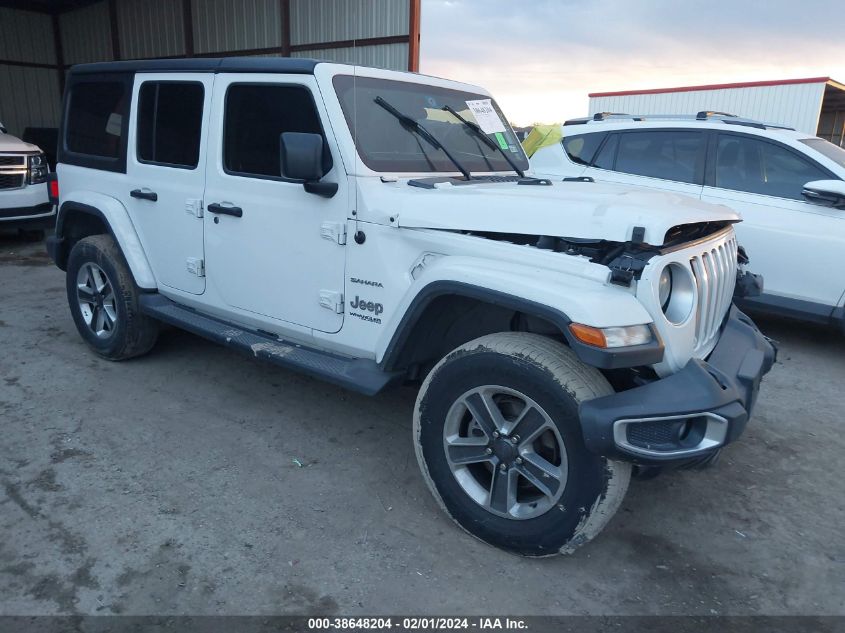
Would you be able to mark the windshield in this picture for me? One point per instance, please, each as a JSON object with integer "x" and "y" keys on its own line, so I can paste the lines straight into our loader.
{"x": 384, "y": 144}
{"x": 826, "y": 148}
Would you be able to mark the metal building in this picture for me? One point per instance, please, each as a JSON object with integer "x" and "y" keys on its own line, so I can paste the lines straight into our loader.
{"x": 40, "y": 39}
{"x": 815, "y": 105}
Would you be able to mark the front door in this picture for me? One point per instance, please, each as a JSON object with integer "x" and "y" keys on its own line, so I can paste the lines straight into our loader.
{"x": 272, "y": 249}
{"x": 796, "y": 245}
{"x": 165, "y": 174}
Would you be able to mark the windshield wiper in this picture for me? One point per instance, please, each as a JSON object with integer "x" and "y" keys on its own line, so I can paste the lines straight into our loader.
{"x": 413, "y": 126}
{"x": 473, "y": 127}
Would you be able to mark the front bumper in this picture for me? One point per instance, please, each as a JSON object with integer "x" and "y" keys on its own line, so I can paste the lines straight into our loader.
{"x": 39, "y": 216}
{"x": 688, "y": 416}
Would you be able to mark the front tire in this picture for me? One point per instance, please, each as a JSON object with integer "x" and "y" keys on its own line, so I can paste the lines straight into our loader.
{"x": 499, "y": 442}
{"x": 103, "y": 300}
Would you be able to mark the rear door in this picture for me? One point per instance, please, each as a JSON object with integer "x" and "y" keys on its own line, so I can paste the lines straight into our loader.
{"x": 165, "y": 171}
{"x": 669, "y": 160}
{"x": 796, "y": 245}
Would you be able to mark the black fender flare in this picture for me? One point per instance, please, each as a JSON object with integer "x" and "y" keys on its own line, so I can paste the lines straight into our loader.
{"x": 617, "y": 358}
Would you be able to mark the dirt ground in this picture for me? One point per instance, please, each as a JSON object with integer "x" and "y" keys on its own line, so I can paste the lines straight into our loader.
{"x": 172, "y": 484}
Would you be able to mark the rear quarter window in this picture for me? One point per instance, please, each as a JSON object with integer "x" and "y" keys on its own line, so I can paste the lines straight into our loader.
{"x": 95, "y": 122}
{"x": 581, "y": 148}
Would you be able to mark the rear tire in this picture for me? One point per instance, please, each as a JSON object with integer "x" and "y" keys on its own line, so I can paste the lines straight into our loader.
{"x": 103, "y": 300}
{"x": 498, "y": 439}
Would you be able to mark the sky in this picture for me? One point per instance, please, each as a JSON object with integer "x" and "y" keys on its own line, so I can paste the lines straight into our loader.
{"x": 540, "y": 58}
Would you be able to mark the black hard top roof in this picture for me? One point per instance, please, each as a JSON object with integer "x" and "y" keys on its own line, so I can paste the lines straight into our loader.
{"x": 288, "y": 65}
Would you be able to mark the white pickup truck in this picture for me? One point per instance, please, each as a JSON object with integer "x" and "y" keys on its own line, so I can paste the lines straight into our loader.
{"x": 372, "y": 227}
{"x": 24, "y": 200}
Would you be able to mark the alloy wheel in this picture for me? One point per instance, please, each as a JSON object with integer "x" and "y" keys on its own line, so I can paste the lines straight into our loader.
{"x": 97, "y": 302}
{"x": 505, "y": 452}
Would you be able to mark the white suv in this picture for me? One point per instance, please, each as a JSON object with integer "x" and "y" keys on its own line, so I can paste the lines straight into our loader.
{"x": 371, "y": 227}
{"x": 24, "y": 201}
{"x": 789, "y": 188}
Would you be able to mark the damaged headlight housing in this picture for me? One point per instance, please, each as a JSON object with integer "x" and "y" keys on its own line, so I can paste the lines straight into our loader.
{"x": 676, "y": 293}
{"x": 611, "y": 337}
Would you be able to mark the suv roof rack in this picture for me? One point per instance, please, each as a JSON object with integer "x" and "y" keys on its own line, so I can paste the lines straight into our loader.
{"x": 703, "y": 115}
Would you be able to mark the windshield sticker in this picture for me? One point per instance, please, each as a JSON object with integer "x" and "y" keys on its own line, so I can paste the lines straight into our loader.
{"x": 486, "y": 117}
{"x": 500, "y": 138}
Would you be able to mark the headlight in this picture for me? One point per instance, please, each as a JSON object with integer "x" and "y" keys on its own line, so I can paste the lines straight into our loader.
{"x": 676, "y": 293}
{"x": 37, "y": 169}
{"x": 623, "y": 336}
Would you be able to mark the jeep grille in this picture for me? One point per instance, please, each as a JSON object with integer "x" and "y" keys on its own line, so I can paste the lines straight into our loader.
{"x": 715, "y": 277}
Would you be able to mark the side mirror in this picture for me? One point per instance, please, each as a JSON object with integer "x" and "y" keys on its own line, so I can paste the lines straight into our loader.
{"x": 3, "y": 128}
{"x": 301, "y": 159}
{"x": 826, "y": 192}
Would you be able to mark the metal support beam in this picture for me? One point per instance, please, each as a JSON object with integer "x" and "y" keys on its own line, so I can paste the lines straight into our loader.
{"x": 285, "y": 6}
{"x": 414, "y": 37}
{"x": 60, "y": 54}
{"x": 14, "y": 62}
{"x": 370, "y": 41}
{"x": 188, "y": 27}
{"x": 115, "y": 36}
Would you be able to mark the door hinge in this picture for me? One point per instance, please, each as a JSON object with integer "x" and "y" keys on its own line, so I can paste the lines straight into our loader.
{"x": 196, "y": 266}
{"x": 334, "y": 231}
{"x": 332, "y": 300}
{"x": 194, "y": 207}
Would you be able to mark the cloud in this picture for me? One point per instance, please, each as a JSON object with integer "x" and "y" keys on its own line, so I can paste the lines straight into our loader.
{"x": 541, "y": 58}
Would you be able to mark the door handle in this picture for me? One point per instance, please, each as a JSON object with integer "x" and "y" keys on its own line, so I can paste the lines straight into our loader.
{"x": 219, "y": 209}
{"x": 152, "y": 196}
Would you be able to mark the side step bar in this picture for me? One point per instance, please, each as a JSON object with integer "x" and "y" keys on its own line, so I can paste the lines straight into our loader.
{"x": 361, "y": 375}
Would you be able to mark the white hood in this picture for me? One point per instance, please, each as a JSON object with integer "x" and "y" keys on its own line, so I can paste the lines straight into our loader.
{"x": 584, "y": 210}
{"x": 9, "y": 143}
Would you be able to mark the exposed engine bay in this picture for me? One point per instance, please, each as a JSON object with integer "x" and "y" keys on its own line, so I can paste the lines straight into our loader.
{"x": 626, "y": 260}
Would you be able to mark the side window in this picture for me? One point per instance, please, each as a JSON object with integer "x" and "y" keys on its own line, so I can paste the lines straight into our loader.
{"x": 582, "y": 147}
{"x": 170, "y": 123}
{"x": 607, "y": 155}
{"x": 256, "y": 115}
{"x": 671, "y": 155}
{"x": 746, "y": 164}
{"x": 95, "y": 114}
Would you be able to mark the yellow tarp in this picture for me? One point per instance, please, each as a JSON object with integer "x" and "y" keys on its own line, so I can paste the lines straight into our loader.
{"x": 541, "y": 136}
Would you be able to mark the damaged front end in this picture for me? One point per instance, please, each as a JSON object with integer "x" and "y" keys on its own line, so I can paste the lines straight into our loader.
{"x": 627, "y": 260}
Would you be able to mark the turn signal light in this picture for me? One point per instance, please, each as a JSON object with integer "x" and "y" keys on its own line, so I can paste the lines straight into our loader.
{"x": 606, "y": 337}
{"x": 589, "y": 335}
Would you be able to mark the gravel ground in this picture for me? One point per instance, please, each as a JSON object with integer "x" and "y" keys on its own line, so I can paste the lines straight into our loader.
{"x": 170, "y": 485}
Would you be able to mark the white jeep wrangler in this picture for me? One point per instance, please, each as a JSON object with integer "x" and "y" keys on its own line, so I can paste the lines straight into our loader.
{"x": 24, "y": 203}
{"x": 371, "y": 227}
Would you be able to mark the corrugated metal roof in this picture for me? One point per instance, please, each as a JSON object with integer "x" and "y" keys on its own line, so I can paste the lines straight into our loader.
{"x": 86, "y": 34}
{"x": 748, "y": 84}
{"x": 30, "y": 98}
{"x": 389, "y": 56}
{"x": 315, "y": 21}
{"x": 26, "y": 36}
{"x": 230, "y": 25}
{"x": 150, "y": 28}
{"x": 796, "y": 105}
